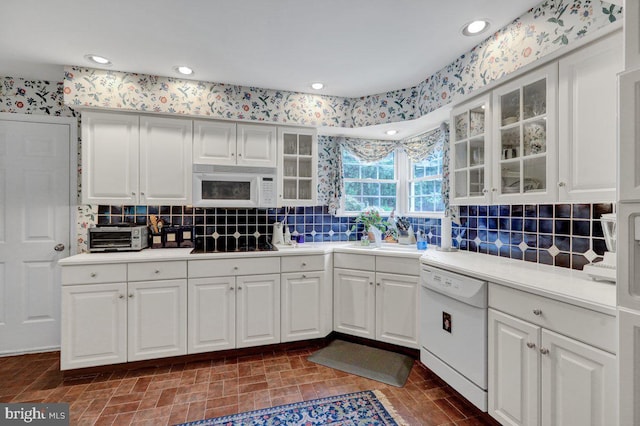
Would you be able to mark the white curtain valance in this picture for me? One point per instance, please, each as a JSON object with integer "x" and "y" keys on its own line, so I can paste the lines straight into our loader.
{"x": 417, "y": 148}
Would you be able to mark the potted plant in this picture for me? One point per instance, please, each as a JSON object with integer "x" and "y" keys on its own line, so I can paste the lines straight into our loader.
{"x": 371, "y": 218}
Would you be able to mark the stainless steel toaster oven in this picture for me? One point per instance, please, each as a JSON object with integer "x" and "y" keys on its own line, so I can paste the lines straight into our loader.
{"x": 117, "y": 238}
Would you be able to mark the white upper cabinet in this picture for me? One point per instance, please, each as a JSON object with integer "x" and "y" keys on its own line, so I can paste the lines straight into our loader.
{"x": 471, "y": 152}
{"x": 629, "y": 136}
{"x": 256, "y": 145}
{"x": 524, "y": 138}
{"x": 587, "y": 105}
{"x": 229, "y": 143}
{"x": 110, "y": 145}
{"x": 631, "y": 35}
{"x": 214, "y": 142}
{"x": 298, "y": 171}
{"x": 165, "y": 160}
{"x": 133, "y": 159}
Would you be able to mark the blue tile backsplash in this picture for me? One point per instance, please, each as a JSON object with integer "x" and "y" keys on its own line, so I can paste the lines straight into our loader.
{"x": 565, "y": 235}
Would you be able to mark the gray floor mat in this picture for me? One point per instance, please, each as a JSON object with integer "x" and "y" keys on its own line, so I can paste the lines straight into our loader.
{"x": 376, "y": 364}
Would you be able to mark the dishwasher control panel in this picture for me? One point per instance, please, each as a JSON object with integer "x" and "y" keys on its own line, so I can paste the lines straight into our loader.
{"x": 460, "y": 287}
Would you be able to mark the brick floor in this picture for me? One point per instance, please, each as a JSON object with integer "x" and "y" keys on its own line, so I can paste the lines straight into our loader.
{"x": 193, "y": 391}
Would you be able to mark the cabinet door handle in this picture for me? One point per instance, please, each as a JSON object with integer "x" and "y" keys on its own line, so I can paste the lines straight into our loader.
{"x": 233, "y": 154}
{"x": 235, "y": 268}
{"x": 544, "y": 351}
{"x": 133, "y": 193}
{"x": 485, "y": 190}
{"x": 304, "y": 264}
{"x": 531, "y": 345}
{"x": 240, "y": 155}
{"x": 370, "y": 282}
{"x": 142, "y": 193}
{"x": 493, "y": 189}
{"x": 93, "y": 275}
{"x": 304, "y": 276}
{"x": 157, "y": 271}
{"x": 537, "y": 312}
{"x": 378, "y": 284}
{"x": 231, "y": 288}
{"x": 130, "y": 295}
{"x": 121, "y": 296}
{"x": 561, "y": 184}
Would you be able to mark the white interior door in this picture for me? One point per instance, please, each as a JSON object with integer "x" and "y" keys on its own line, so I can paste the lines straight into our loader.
{"x": 34, "y": 230}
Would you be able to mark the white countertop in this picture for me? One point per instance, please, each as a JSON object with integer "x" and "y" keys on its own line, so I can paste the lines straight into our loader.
{"x": 150, "y": 255}
{"x": 563, "y": 284}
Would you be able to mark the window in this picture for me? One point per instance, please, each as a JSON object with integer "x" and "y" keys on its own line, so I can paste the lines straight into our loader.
{"x": 369, "y": 184}
{"x": 393, "y": 183}
{"x": 425, "y": 186}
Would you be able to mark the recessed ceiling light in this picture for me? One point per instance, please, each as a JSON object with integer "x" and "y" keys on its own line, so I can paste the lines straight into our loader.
{"x": 317, "y": 86}
{"x": 184, "y": 70}
{"x": 475, "y": 27}
{"x": 391, "y": 132}
{"x": 98, "y": 59}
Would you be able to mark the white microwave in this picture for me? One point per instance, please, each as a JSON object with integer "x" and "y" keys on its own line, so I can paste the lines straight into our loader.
{"x": 234, "y": 186}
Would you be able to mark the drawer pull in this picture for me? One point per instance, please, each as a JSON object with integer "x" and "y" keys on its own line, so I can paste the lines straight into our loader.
{"x": 130, "y": 295}
{"x": 544, "y": 351}
{"x": 121, "y": 296}
{"x": 239, "y": 288}
{"x": 378, "y": 284}
{"x": 537, "y": 312}
{"x": 231, "y": 288}
{"x": 157, "y": 271}
{"x": 370, "y": 282}
{"x": 93, "y": 275}
{"x": 304, "y": 276}
{"x": 304, "y": 264}
{"x": 531, "y": 345}
{"x": 235, "y": 268}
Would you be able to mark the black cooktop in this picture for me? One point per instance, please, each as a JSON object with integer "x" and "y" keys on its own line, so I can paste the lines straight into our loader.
{"x": 220, "y": 248}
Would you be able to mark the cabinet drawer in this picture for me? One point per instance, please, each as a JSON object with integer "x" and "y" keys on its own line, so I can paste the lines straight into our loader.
{"x": 94, "y": 274}
{"x": 302, "y": 263}
{"x": 227, "y": 267}
{"x": 157, "y": 270}
{"x": 362, "y": 262}
{"x": 582, "y": 324}
{"x": 398, "y": 265}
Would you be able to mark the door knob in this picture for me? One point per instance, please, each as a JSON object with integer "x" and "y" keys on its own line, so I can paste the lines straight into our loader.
{"x": 59, "y": 247}
{"x": 544, "y": 351}
{"x": 531, "y": 345}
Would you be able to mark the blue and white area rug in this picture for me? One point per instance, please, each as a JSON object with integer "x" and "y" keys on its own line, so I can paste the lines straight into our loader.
{"x": 360, "y": 408}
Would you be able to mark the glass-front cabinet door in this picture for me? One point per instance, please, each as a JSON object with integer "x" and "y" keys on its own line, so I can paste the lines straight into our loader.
{"x": 470, "y": 137}
{"x": 524, "y": 128}
{"x": 297, "y": 170}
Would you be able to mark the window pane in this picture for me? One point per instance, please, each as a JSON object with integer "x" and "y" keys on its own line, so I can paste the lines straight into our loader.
{"x": 351, "y": 171}
{"x": 369, "y": 172}
{"x": 386, "y": 172}
{"x": 369, "y": 184}
{"x": 370, "y": 189}
{"x": 352, "y": 188}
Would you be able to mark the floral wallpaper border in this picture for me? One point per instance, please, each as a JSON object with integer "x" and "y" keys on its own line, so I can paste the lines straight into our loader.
{"x": 540, "y": 31}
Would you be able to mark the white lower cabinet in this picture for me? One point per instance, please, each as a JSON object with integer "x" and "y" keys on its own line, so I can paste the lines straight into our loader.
{"x": 94, "y": 325}
{"x": 212, "y": 314}
{"x": 233, "y": 312}
{"x": 228, "y": 308}
{"x": 541, "y": 377}
{"x": 257, "y": 310}
{"x": 377, "y": 305}
{"x": 157, "y": 319}
{"x": 354, "y": 302}
{"x": 106, "y": 320}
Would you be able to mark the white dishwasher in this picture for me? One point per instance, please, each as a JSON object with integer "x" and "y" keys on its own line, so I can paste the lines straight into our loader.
{"x": 453, "y": 331}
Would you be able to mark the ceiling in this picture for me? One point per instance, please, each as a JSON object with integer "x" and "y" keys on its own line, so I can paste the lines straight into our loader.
{"x": 355, "y": 47}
